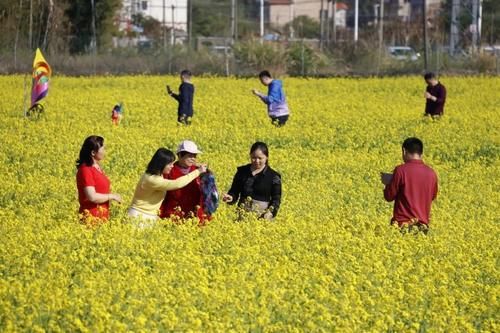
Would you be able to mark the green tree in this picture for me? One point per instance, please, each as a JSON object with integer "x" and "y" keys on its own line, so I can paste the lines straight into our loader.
{"x": 304, "y": 27}
{"x": 80, "y": 15}
{"x": 490, "y": 33}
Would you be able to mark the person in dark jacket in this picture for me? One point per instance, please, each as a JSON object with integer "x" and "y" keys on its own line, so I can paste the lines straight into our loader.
{"x": 256, "y": 186}
{"x": 185, "y": 98}
{"x": 435, "y": 96}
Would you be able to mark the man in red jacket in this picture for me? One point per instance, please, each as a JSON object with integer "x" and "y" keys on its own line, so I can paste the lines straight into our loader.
{"x": 186, "y": 202}
{"x": 412, "y": 186}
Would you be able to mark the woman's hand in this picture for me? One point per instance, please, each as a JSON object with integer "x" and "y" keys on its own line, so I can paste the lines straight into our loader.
{"x": 115, "y": 197}
{"x": 227, "y": 198}
{"x": 268, "y": 216}
{"x": 202, "y": 168}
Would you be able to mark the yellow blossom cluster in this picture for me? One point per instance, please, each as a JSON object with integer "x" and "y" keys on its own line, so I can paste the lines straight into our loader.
{"x": 329, "y": 262}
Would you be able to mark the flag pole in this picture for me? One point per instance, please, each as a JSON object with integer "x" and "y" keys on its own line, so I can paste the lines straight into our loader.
{"x": 25, "y": 94}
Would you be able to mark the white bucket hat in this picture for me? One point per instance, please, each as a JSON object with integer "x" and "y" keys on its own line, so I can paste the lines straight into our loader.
{"x": 188, "y": 146}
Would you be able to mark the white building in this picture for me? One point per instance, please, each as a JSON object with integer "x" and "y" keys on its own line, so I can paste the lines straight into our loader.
{"x": 282, "y": 12}
{"x": 171, "y": 13}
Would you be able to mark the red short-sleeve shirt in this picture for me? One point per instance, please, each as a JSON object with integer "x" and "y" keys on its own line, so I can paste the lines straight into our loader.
{"x": 90, "y": 176}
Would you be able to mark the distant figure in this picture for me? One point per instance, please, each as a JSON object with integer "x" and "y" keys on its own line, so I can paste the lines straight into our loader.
{"x": 152, "y": 186}
{"x": 186, "y": 202}
{"x": 412, "y": 186}
{"x": 277, "y": 107}
{"x": 117, "y": 114}
{"x": 185, "y": 98}
{"x": 93, "y": 186}
{"x": 435, "y": 96}
{"x": 256, "y": 187}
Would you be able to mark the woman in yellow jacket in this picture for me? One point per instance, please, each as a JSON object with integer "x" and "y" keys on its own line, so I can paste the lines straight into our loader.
{"x": 152, "y": 187}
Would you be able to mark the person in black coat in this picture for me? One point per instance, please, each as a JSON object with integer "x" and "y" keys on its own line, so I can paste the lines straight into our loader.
{"x": 435, "y": 96}
{"x": 256, "y": 186}
{"x": 185, "y": 98}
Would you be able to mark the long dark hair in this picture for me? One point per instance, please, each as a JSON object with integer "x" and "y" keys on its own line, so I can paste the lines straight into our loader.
{"x": 160, "y": 159}
{"x": 91, "y": 144}
{"x": 262, "y": 147}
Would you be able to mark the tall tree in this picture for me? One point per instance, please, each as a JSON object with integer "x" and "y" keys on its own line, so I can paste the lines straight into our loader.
{"x": 80, "y": 13}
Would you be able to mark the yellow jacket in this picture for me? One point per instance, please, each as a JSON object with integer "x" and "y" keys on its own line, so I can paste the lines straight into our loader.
{"x": 151, "y": 190}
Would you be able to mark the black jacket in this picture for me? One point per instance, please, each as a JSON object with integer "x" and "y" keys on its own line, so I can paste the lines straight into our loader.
{"x": 185, "y": 99}
{"x": 437, "y": 107}
{"x": 264, "y": 186}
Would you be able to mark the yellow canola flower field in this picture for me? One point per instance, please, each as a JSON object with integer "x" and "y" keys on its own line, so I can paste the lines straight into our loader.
{"x": 330, "y": 262}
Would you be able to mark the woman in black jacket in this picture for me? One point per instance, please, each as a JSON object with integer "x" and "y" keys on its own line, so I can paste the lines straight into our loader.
{"x": 256, "y": 187}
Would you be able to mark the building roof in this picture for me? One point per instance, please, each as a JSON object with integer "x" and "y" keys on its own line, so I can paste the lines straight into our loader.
{"x": 279, "y": 2}
{"x": 342, "y": 6}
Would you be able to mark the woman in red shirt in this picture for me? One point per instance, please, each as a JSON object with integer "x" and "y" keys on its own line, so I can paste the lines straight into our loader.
{"x": 93, "y": 185}
{"x": 185, "y": 202}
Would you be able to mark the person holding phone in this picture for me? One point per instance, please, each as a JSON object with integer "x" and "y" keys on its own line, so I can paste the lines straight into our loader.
{"x": 412, "y": 186}
{"x": 184, "y": 98}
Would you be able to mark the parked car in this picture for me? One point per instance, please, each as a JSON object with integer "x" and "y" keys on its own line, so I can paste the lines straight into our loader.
{"x": 492, "y": 49}
{"x": 221, "y": 49}
{"x": 403, "y": 53}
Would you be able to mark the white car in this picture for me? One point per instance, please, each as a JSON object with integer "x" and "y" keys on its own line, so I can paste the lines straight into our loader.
{"x": 493, "y": 49}
{"x": 403, "y": 53}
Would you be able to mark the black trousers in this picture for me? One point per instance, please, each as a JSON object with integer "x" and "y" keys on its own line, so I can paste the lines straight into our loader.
{"x": 279, "y": 121}
{"x": 184, "y": 119}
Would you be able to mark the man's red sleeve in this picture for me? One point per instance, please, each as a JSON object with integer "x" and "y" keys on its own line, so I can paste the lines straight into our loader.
{"x": 391, "y": 189}
{"x": 434, "y": 195}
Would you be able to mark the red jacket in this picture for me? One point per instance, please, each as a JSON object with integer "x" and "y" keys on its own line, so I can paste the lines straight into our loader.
{"x": 413, "y": 187}
{"x": 185, "y": 202}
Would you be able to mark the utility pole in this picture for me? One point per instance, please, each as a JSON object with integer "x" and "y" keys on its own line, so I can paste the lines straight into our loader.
{"x": 455, "y": 6}
{"x": 262, "y": 20}
{"x": 356, "y": 20}
{"x": 474, "y": 25}
{"x": 236, "y": 21}
{"x": 189, "y": 23}
{"x": 321, "y": 26}
{"x": 172, "y": 34}
{"x": 381, "y": 28}
{"x": 94, "y": 35}
{"x": 334, "y": 10}
{"x": 164, "y": 26}
{"x": 233, "y": 20}
{"x": 292, "y": 17}
{"x": 479, "y": 22}
{"x": 424, "y": 22}
{"x": 327, "y": 36}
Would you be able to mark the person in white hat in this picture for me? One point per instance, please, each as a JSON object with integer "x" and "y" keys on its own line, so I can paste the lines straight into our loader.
{"x": 185, "y": 202}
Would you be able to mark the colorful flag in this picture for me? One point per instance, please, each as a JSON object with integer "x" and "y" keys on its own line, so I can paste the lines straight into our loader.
{"x": 41, "y": 76}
